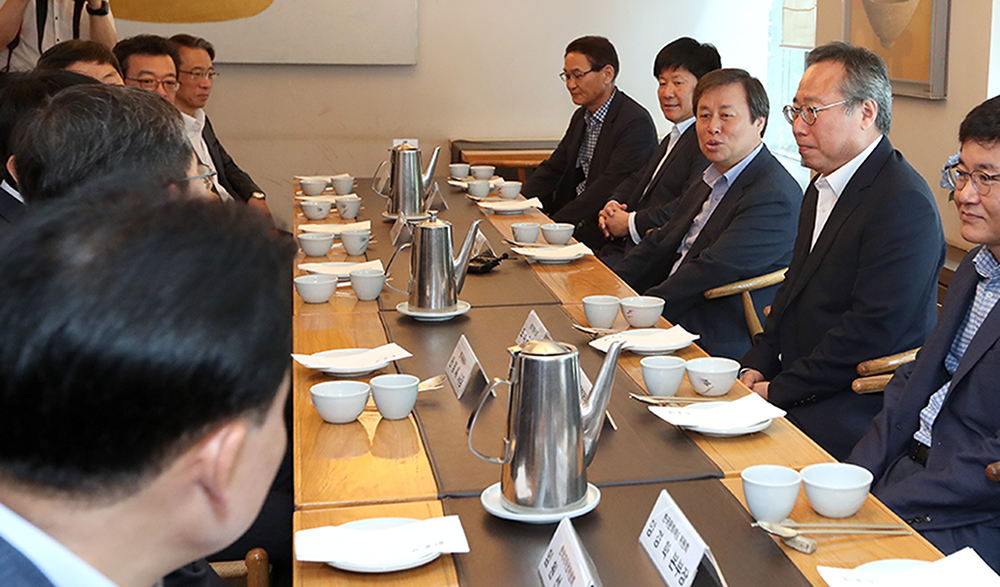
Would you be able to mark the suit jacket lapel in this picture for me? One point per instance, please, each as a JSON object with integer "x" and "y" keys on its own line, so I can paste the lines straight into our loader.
{"x": 686, "y": 137}
{"x": 639, "y": 192}
{"x": 608, "y": 124}
{"x": 985, "y": 337}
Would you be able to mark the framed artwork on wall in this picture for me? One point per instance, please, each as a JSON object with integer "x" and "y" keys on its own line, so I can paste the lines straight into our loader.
{"x": 912, "y": 37}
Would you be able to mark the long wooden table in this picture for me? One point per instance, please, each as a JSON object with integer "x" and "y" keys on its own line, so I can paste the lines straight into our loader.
{"x": 376, "y": 468}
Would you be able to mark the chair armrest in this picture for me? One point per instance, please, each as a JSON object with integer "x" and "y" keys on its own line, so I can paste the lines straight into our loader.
{"x": 886, "y": 364}
{"x": 751, "y": 284}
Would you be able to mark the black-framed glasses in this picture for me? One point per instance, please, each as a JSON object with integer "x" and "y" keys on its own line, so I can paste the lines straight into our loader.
{"x": 575, "y": 75}
{"x": 807, "y": 112}
{"x": 151, "y": 83}
{"x": 981, "y": 181}
{"x": 211, "y": 74}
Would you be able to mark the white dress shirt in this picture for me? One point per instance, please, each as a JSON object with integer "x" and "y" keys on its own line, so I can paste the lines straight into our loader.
{"x": 58, "y": 28}
{"x": 193, "y": 126}
{"x": 675, "y": 135}
{"x": 829, "y": 188}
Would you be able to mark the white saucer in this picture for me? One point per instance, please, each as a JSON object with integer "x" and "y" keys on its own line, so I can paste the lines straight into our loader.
{"x": 724, "y": 432}
{"x": 414, "y": 218}
{"x": 891, "y": 566}
{"x": 386, "y": 564}
{"x": 353, "y": 371}
{"x": 493, "y": 502}
{"x": 433, "y": 316}
{"x": 558, "y": 261}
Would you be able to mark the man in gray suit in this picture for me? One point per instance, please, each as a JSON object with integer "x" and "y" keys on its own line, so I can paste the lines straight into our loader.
{"x": 143, "y": 376}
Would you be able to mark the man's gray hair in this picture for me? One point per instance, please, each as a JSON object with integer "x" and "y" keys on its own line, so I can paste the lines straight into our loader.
{"x": 866, "y": 78}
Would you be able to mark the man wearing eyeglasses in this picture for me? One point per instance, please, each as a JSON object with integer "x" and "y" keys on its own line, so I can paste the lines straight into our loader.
{"x": 195, "y": 77}
{"x": 149, "y": 62}
{"x": 609, "y": 137}
{"x": 929, "y": 447}
{"x": 863, "y": 279}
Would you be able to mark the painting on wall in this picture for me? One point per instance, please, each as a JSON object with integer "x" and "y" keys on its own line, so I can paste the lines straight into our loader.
{"x": 912, "y": 37}
{"x": 354, "y": 32}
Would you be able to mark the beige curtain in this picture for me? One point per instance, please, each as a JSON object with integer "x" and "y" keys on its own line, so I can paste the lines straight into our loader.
{"x": 798, "y": 24}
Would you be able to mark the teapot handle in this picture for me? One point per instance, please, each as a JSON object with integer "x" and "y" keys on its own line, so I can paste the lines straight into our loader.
{"x": 389, "y": 266}
{"x": 472, "y": 423}
{"x": 375, "y": 187}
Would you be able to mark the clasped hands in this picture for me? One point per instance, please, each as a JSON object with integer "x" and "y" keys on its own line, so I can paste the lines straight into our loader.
{"x": 754, "y": 379}
{"x": 613, "y": 220}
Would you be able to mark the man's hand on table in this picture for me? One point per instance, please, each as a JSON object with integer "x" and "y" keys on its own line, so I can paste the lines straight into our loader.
{"x": 754, "y": 379}
{"x": 613, "y": 220}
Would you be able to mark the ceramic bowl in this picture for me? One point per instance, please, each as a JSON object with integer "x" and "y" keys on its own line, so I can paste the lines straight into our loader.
{"x": 316, "y": 244}
{"x": 394, "y": 395}
{"x": 642, "y": 311}
{"x": 836, "y": 490}
{"x": 459, "y": 170}
{"x": 340, "y": 402}
{"x": 479, "y": 188}
{"x": 600, "y": 311}
{"x": 313, "y": 187}
{"x": 771, "y": 491}
{"x": 315, "y": 210}
{"x": 510, "y": 189}
{"x": 662, "y": 375}
{"x": 482, "y": 171}
{"x": 343, "y": 185}
{"x": 712, "y": 376}
{"x": 557, "y": 233}
{"x": 316, "y": 289}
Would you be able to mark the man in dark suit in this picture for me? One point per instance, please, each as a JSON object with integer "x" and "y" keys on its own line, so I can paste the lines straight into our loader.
{"x": 144, "y": 482}
{"x": 940, "y": 426}
{"x": 863, "y": 279}
{"x": 609, "y": 137}
{"x": 195, "y": 75}
{"x": 636, "y": 205}
{"x": 737, "y": 223}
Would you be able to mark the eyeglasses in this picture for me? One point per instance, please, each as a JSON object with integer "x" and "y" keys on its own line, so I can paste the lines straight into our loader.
{"x": 808, "y": 113}
{"x": 205, "y": 174}
{"x": 980, "y": 180}
{"x": 211, "y": 74}
{"x": 576, "y": 75}
{"x": 151, "y": 83}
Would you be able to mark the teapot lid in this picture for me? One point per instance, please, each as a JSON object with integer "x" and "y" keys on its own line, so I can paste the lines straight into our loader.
{"x": 546, "y": 348}
{"x": 405, "y": 147}
{"x": 432, "y": 221}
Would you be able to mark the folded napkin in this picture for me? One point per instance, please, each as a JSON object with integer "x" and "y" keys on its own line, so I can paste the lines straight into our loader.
{"x": 342, "y": 175}
{"x": 746, "y": 411}
{"x": 495, "y": 182}
{"x": 335, "y": 228}
{"x": 371, "y": 545}
{"x": 370, "y": 358}
{"x": 341, "y": 270}
{"x": 331, "y": 199}
{"x": 325, "y": 178}
{"x": 964, "y": 567}
{"x": 675, "y": 337}
{"x": 565, "y": 252}
{"x": 509, "y": 205}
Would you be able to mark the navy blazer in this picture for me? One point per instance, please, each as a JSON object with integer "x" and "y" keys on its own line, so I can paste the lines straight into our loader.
{"x": 750, "y": 233}
{"x": 952, "y": 489}
{"x": 237, "y": 182}
{"x": 627, "y": 140}
{"x": 16, "y": 569}
{"x": 867, "y": 289}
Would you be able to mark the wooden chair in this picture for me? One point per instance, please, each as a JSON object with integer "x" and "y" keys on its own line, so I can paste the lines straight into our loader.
{"x": 253, "y": 571}
{"x": 744, "y": 288}
{"x": 876, "y": 373}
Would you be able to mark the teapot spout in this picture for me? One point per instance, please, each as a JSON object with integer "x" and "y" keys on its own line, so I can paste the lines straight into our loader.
{"x": 428, "y": 175}
{"x": 461, "y": 264}
{"x": 597, "y": 404}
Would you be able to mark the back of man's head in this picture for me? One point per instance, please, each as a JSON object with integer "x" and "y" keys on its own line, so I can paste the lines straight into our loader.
{"x": 97, "y": 130}
{"x": 62, "y": 55}
{"x": 145, "y": 45}
{"x": 697, "y": 58}
{"x": 598, "y": 50}
{"x": 982, "y": 124}
{"x": 131, "y": 325}
{"x": 27, "y": 92}
{"x": 866, "y": 77}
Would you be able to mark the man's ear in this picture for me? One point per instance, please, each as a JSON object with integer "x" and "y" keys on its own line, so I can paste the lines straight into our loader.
{"x": 10, "y": 167}
{"x": 217, "y": 456}
{"x": 869, "y": 111}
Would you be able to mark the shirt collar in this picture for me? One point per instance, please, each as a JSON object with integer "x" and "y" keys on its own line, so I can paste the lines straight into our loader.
{"x": 986, "y": 264}
{"x": 5, "y": 186}
{"x": 683, "y": 125}
{"x": 59, "y": 564}
{"x": 837, "y": 180}
{"x": 602, "y": 111}
{"x": 194, "y": 123}
{"x": 712, "y": 175}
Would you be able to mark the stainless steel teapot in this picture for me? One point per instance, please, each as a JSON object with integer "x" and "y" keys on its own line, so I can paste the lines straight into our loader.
{"x": 408, "y": 185}
{"x": 552, "y": 432}
{"x": 436, "y": 278}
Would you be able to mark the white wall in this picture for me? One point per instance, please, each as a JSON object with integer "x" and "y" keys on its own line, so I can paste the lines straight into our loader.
{"x": 484, "y": 69}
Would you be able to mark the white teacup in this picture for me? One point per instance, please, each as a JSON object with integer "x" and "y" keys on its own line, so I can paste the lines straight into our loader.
{"x": 642, "y": 311}
{"x": 313, "y": 186}
{"x": 482, "y": 171}
{"x": 316, "y": 289}
{"x": 601, "y": 311}
{"x": 712, "y": 376}
{"x": 557, "y": 233}
{"x": 394, "y": 395}
{"x": 459, "y": 170}
{"x": 510, "y": 189}
{"x": 662, "y": 375}
{"x": 367, "y": 283}
{"x": 525, "y": 232}
{"x": 342, "y": 184}
{"x": 315, "y": 210}
{"x": 348, "y": 206}
{"x": 771, "y": 491}
{"x": 316, "y": 244}
{"x": 356, "y": 240}
{"x": 340, "y": 402}
{"x": 479, "y": 188}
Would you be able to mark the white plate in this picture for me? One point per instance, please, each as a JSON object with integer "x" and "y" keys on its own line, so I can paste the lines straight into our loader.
{"x": 433, "y": 316}
{"x": 638, "y": 348}
{"x": 413, "y": 218}
{"x": 350, "y": 371}
{"x": 891, "y": 566}
{"x": 724, "y": 432}
{"x": 385, "y": 565}
{"x": 335, "y": 265}
{"x": 492, "y": 500}
{"x": 558, "y": 260}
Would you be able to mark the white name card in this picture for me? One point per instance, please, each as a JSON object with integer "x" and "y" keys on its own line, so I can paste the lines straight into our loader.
{"x": 533, "y": 329}
{"x": 401, "y": 231}
{"x": 672, "y": 543}
{"x": 565, "y": 562}
{"x": 463, "y": 367}
{"x": 436, "y": 200}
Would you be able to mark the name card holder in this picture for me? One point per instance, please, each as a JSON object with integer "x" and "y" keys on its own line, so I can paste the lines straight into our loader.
{"x": 533, "y": 329}
{"x": 401, "y": 231}
{"x": 464, "y": 371}
{"x": 436, "y": 197}
{"x": 566, "y": 562}
{"x": 674, "y": 545}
